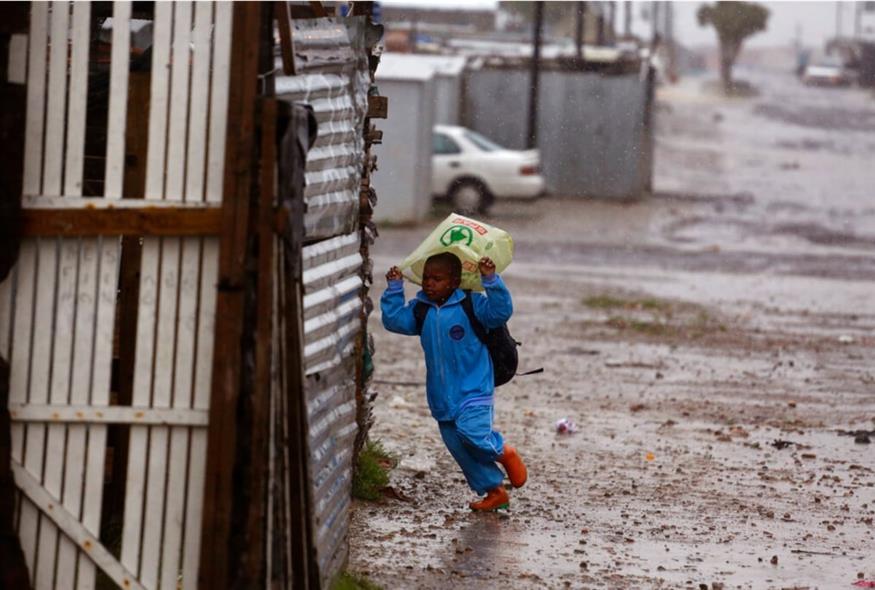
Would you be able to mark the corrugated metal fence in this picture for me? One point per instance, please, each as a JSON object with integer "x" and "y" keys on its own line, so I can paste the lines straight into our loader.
{"x": 332, "y": 77}
{"x": 594, "y": 131}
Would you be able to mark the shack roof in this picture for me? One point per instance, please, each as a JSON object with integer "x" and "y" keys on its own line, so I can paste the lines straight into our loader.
{"x": 413, "y": 66}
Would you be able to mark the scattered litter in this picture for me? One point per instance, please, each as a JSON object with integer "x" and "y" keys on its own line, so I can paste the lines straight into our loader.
{"x": 616, "y": 364}
{"x": 649, "y": 456}
{"x": 774, "y": 560}
{"x": 865, "y": 583}
{"x": 637, "y": 408}
{"x": 566, "y": 426}
{"x": 861, "y": 437}
{"x": 783, "y": 444}
{"x": 846, "y": 339}
{"x": 398, "y": 402}
{"x": 395, "y": 494}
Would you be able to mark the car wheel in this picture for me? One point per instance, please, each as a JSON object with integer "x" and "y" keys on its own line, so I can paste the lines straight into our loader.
{"x": 470, "y": 197}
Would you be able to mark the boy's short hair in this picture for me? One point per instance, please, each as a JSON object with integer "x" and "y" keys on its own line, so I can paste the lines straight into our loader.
{"x": 449, "y": 261}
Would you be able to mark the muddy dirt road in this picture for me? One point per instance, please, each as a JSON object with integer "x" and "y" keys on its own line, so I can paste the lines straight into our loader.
{"x": 714, "y": 344}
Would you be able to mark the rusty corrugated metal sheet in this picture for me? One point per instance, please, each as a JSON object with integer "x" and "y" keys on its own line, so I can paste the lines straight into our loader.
{"x": 332, "y": 322}
{"x": 332, "y": 77}
{"x": 332, "y": 302}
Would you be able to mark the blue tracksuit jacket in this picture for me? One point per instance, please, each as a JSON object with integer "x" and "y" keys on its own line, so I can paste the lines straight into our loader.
{"x": 459, "y": 370}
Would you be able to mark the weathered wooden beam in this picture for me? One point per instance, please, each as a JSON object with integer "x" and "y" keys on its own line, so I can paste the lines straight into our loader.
{"x": 108, "y": 415}
{"x": 284, "y": 24}
{"x": 260, "y": 401}
{"x": 53, "y": 509}
{"x": 218, "y": 504}
{"x": 127, "y": 221}
{"x": 378, "y": 107}
{"x": 319, "y": 10}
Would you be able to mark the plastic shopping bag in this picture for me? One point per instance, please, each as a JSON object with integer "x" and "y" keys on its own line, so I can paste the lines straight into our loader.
{"x": 468, "y": 239}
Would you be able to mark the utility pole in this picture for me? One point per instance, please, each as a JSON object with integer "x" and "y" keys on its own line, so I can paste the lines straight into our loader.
{"x": 654, "y": 22}
{"x": 858, "y": 19}
{"x": 612, "y": 22}
{"x": 532, "y": 138}
{"x": 580, "y": 15}
{"x": 627, "y": 19}
{"x": 669, "y": 42}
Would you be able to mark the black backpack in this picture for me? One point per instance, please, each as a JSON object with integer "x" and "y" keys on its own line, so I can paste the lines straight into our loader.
{"x": 501, "y": 345}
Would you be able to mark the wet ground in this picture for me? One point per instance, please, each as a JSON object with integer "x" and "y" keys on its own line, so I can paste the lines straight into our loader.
{"x": 713, "y": 344}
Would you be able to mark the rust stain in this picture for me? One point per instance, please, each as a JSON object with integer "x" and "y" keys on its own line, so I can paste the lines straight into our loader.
{"x": 55, "y": 416}
{"x": 99, "y": 414}
{"x": 138, "y": 415}
{"x": 80, "y": 415}
{"x": 87, "y": 545}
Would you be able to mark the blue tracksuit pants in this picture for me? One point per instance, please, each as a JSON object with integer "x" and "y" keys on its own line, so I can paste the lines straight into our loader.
{"x": 475, "y": 446}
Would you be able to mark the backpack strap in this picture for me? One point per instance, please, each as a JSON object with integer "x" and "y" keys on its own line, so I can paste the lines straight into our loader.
{"x": 420, "y": 310}
{"x": 468, "y": 306}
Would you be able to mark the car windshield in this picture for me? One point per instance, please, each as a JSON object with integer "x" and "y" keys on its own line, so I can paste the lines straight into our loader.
{"x": 481, "y": 142}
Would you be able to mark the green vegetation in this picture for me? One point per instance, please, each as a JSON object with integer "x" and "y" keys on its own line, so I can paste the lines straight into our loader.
{"x": 657, "y": 318}
{"x": 650, "y": 328}
{"x": 372, "y": 472}
{"x": 347, "y": 581}
{"x": 734, "y": 22}
{"x": 610, "y": 302}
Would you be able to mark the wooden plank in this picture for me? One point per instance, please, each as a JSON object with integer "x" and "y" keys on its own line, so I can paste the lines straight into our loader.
{"x": 77, "y": 107}
{"x": 318, "y": 9}
{"x": 67, "y": 201}
{"x": 149, "y": 288}
{"x": 189, "y": 272}
{"x": 44, "y": 458}
{"x": 118, "y": 99}
{"x": 108, "y": 250}
{"x": 85, "y": 414}
{"x": 81, "y": 328}
{"x": 36, "y": 96}
{"x": 136, "y": 142}
{"x": 53, "y": 171}
{"x": 378, "y": 107}
{"x": 263, "y": 332}
{"x": 167, "y": 339}
{"x": 51, "y": 507}
{"x": 6, "y": 317}
{"x": 28, "y": 517}
{"x": 128, "y": 221}
{"x": 284, "y": 24}
{"x": 222, "y": 437}
{"x": 209, "y": 277}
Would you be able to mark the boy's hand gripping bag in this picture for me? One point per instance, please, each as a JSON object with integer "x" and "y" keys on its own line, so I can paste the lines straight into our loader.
{"x": 468, "y": 239}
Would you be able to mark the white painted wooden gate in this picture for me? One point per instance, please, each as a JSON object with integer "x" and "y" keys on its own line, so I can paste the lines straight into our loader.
{"x": 58, "y": 308}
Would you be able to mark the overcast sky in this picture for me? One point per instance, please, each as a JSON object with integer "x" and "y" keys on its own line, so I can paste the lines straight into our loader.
{"x": 816, "y": 21}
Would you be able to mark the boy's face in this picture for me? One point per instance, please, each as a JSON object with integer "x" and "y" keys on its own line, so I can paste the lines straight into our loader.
{"x": 438, "y": 283}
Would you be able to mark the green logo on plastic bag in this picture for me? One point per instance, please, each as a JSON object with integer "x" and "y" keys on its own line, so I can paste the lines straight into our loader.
{"x": 457, "y": 233}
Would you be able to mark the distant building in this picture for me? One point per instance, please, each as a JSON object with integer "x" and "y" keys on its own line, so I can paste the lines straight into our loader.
{"x": 472, "y": 20}
{"x": 867, "y": 21}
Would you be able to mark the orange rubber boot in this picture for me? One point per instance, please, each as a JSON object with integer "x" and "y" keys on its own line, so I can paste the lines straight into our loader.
{"x": 513, "y": 464}
{"x": 495, "y": 498}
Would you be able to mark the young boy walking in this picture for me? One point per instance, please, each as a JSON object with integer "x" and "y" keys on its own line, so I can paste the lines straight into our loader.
{"x": 459, "y": 380}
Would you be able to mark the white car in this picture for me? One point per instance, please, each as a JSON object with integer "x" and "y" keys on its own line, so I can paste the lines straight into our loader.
{"x": 473, "y": 171}
{"x": 828, "y": 70}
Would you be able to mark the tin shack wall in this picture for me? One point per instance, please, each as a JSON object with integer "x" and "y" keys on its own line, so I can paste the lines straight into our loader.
{"x": 593, "y": 129}
{"x": 332, "y": 76}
